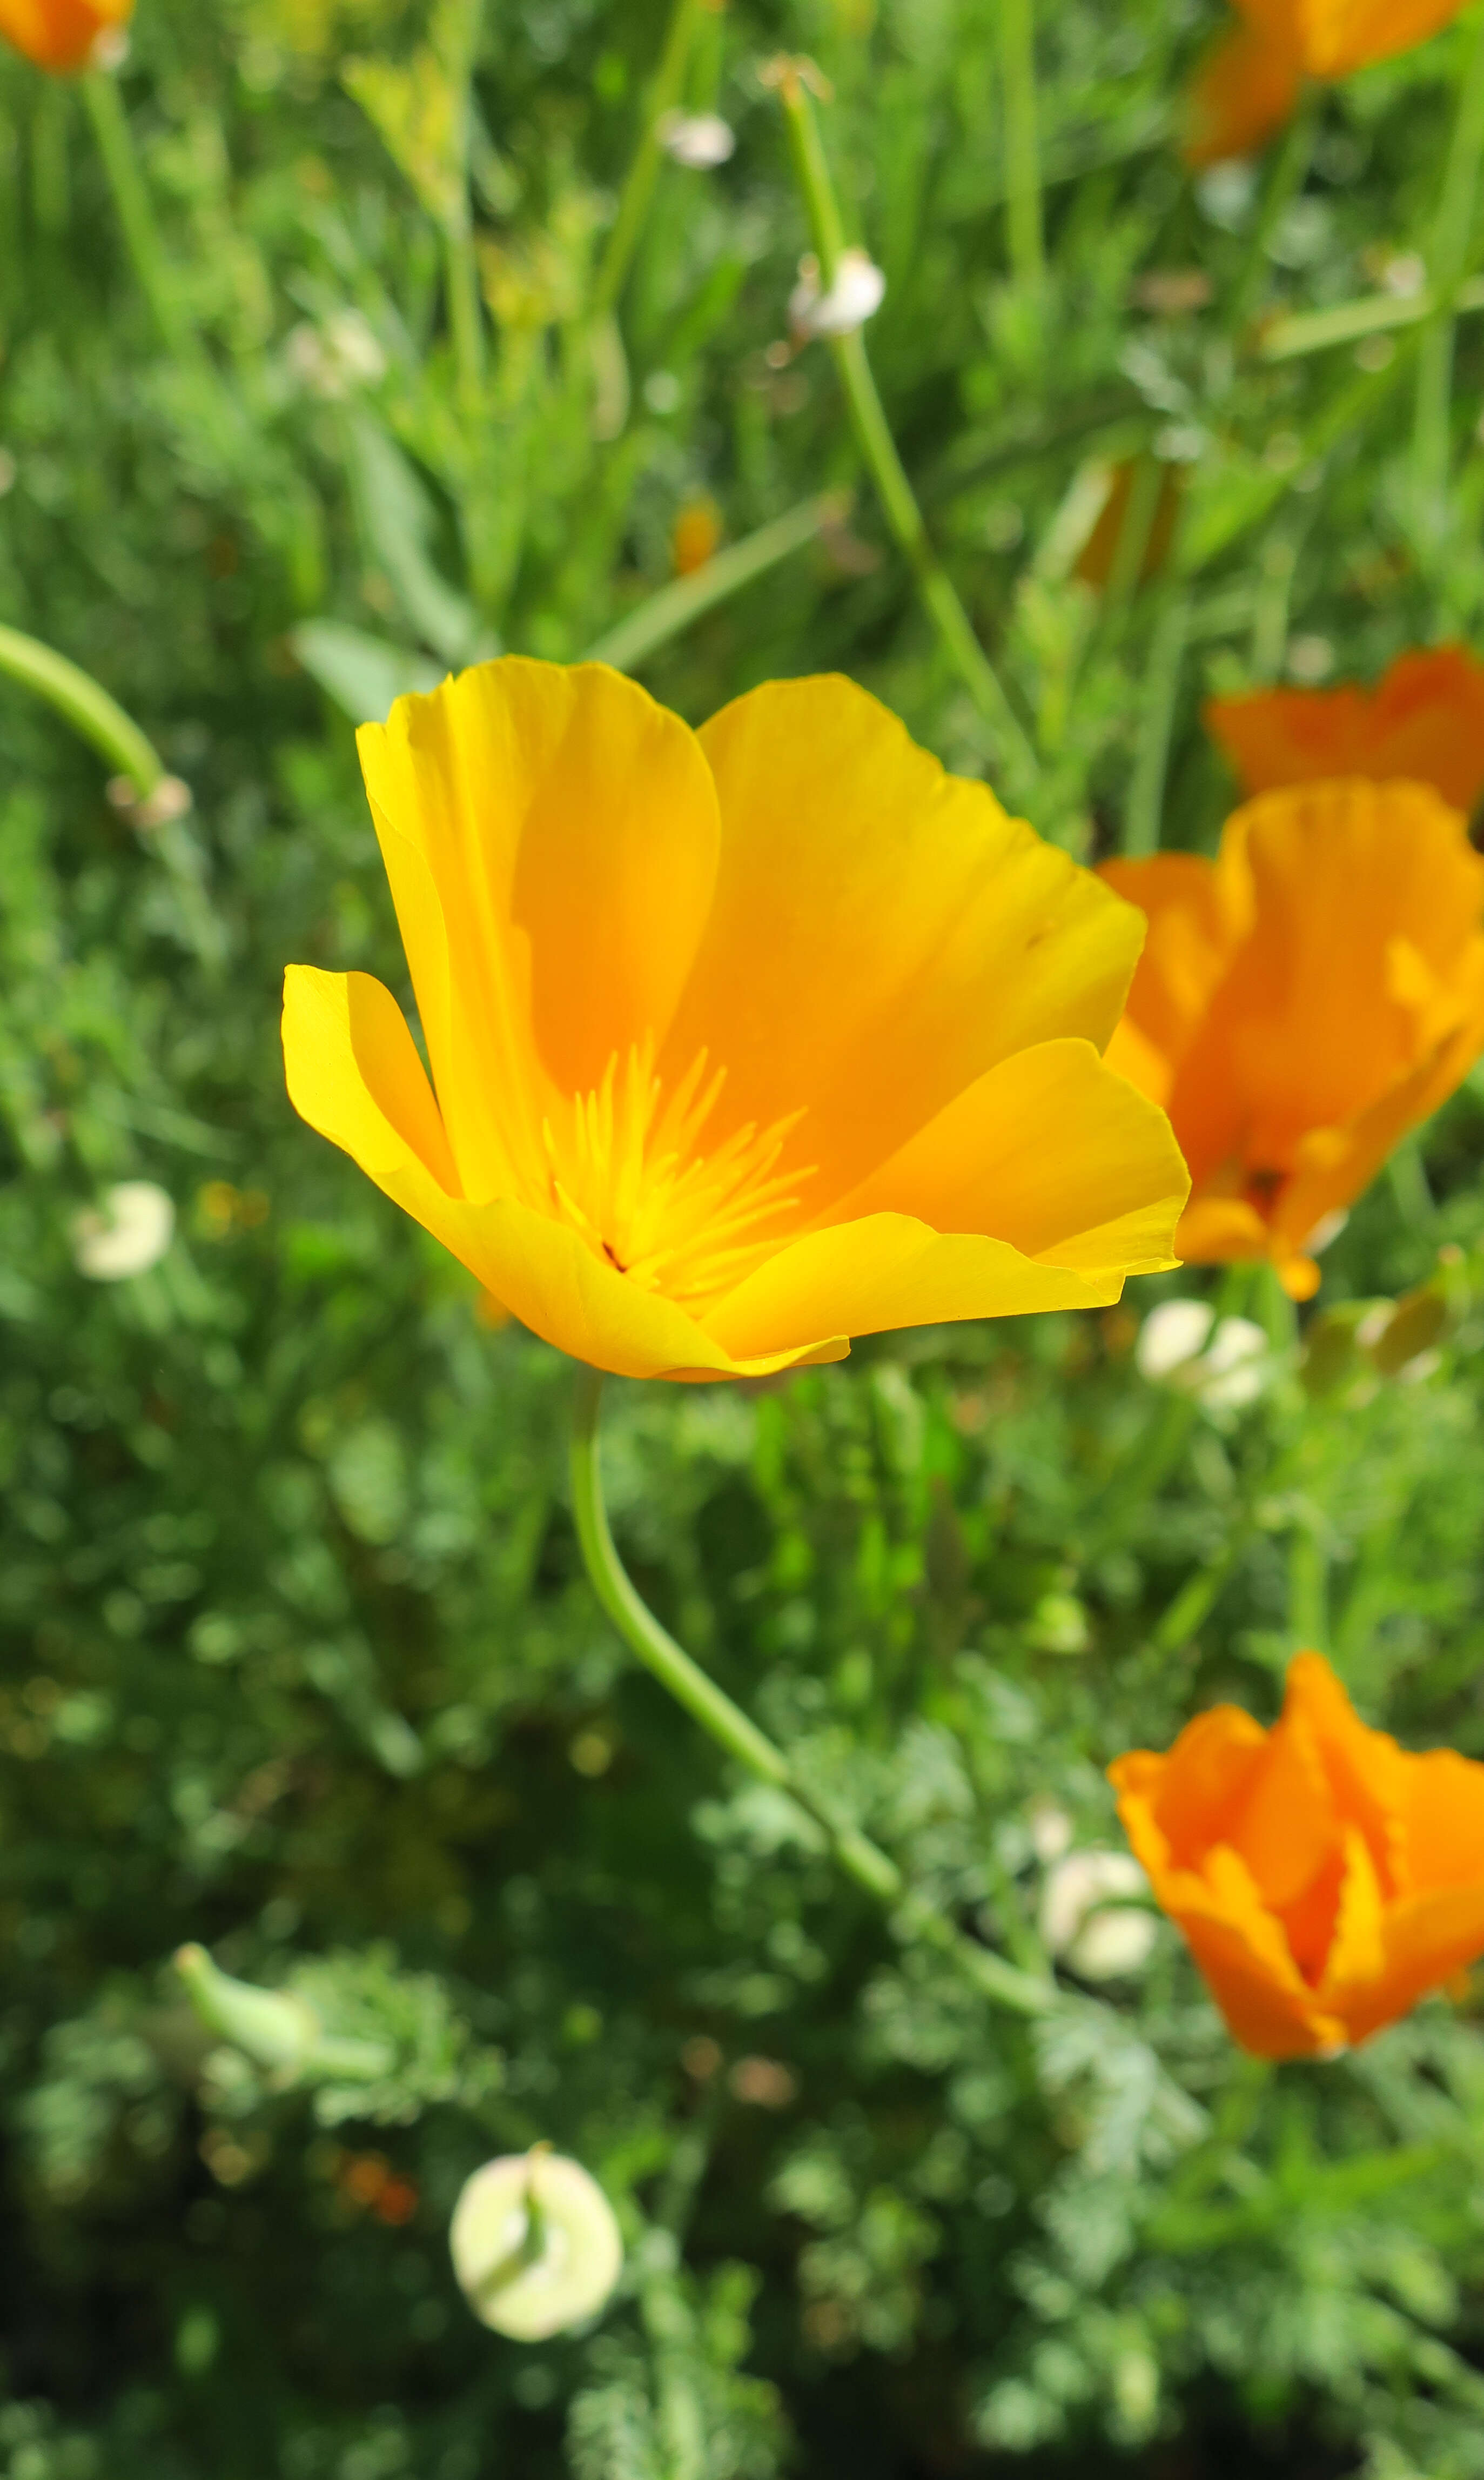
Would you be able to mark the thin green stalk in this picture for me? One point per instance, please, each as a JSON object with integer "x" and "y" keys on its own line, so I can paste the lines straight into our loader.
{"x": 1286, "y": 177}
{"x": 90, "y": 710}
{"x": 1151, "y": 757}
{"x": 1313, "y": 332}
{"x": 1022, "y": 142}
{"x": 879, "y": 448}
{"x": 663, "y": 615}
{"x": 137, "y": 216}
{"x": 1431, "y": 424}
{"x": 665, "y": 91}
{"x": 861, "y": 1859}
{"x": 1307, "y": 1588}
{"x": 461, "y": 268}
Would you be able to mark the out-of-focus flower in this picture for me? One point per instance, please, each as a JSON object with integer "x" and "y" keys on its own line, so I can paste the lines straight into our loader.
{"x": 535, "y": 2244}
{"x": 1424, "y": 720}
{"x": 856, "y": 294}
{"x": 1251, "y": 78}
{"x": 1223, "y": 1370}
{"x": 126, "y": 1235}
{"x": 695, "y": 536}
{"x": 1301, "y": 1002}
{"x": 1324, "y": 1877}
{"x": 743, "y": 1042}
{"x": 699, "y": 141}
{"x": 1084, "y": 1923}
{"x": 332, "y": 360}
{"x": 66, "y": 36}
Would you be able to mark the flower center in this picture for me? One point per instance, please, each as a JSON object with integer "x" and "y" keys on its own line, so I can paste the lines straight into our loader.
{"x": 626, "y": 1169}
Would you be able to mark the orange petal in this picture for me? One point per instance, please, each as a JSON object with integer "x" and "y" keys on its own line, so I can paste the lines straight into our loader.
{"x": 1106, "y": 1195}
{"x": 1285, "y": 1827}
{"x": 1340, "y": 35}
{"x": 1424, "y": 720}
{"x": 1368, "y": 1771}
{"x": 354, "y": 1074}
{"x": 926, "y": 936}
{"x": 1444, "y": 1820}
{"x": 887, "y": 1271}
{"x": 1220, "y": 1231}
{"x": 1198, "y": 914}
{"x": 1424, "y": 1940}
{"x": 1245, "y": 89}
{"x": 1245, "y": 1959}
{"x": 1194, "y": 1791}
{"x": 551, "y": 837}
{"x": 61, "y": 35}
{"x": 1305, "y": 1031}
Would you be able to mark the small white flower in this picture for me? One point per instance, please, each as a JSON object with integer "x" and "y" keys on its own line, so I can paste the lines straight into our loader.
{"x": 127, "y": 1235}
{"x": 1051, "y": 1831}
{"x": 1171, "y": 1336}
{"x": 1234, "y": 1370}
{"x": 856, "y": 294}
{"x": 535, "y": 2244}
{"x": 1082, "y": 1920}
{"x": 698, "y": 140}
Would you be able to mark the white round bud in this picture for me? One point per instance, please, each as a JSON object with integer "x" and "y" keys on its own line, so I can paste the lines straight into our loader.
{"x": 535, "y": 2244}
{"x": 127, "y": 1234}
{"x": 1099, "y": 1937}
{"x": 1170, "y": 1336}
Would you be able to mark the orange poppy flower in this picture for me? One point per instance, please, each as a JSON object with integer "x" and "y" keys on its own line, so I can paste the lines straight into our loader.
{"x": 1252, "y": 79}
{"x": 62, "y": 34}
{"x": 1302, "y": 1001}
{"x": 1424, "y": 720}
{"x": 744, "y": 1041}
{"x": 1324, "y": 1877}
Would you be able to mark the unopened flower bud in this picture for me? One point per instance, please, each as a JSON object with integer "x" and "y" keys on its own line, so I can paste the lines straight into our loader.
{"x": 855, "y": 295}
{"x": 535, "y": 2244}
{"x": 275, "y": 2030}
{"x": 1101, "y": 1939}
{"x": 699, "y": 141}
{"x": 126, "y": 1234}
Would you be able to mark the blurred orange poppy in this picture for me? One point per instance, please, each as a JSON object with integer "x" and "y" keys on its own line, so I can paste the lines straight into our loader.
{"x": 1301, "y": 1002}
{"x": 1424, "y": 720}
{"x": 744, "y": 1041}
{"x": 1251, "y": 79}
{"x": 62, "y": 34}
{"x": 1324, "y": 1877}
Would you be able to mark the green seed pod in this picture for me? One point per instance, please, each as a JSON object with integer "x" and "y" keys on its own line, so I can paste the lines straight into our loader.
{"x": 1420, "y": 1320}
{"x": 535, "y": 2244}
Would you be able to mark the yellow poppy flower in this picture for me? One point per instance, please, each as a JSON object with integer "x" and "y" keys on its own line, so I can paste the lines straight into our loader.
{"x": 1304, "y": 999}
{"x": 744, "y": 1041}
{"x": 61, "y": 34}
{"x": 1252, "y": 79}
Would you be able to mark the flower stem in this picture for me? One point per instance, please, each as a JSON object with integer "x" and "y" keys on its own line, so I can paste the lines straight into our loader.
{"x": 1022, "y": 142}
{"x": 1289, "y": 173}
{"x": 90, "y": 710}
{"x": 1161, "y": 687}
{"x": 879, "y": 448}
{"x": 664, "y": 94}
{"x": 461, "y": 270}
{"x": 861, "y": 1859}
{"x": 1446, "y": 260}
{"x": 137, "y": 216}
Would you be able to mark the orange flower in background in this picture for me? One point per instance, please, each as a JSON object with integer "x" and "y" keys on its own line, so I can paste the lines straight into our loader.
{"x": 1252, "y": 79}
{"x": 1424, "y": 719}
{"x": 1302, "y": 1001}
{"x": 64, "y": 34}
{"x": 1324, "y": 1877}
{"x": 744, "y": 1041}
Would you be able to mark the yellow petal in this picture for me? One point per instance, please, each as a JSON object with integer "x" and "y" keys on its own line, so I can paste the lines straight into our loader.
{"x": 887, "y": 1271}
{"x": 354, "y": 1074}
{"x": 1340, "y": 35}
{"x": 1051, "y": 1152}
{"x": 568, "y": 833}
{"x": 881, "y": 933}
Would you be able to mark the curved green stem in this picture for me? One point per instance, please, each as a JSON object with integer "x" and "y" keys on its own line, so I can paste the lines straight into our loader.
{"x": 90, "y": 710}
{"x": 878, "y": 446}
{"x": 662, "y": 615}
{"x": 713, "y": 1709}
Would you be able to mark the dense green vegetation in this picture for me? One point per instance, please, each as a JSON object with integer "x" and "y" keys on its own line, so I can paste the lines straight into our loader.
{"x": 298, "y": 1657}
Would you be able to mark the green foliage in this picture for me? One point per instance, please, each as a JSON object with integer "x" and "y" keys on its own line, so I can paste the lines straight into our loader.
{"x": 297, "y": 1656}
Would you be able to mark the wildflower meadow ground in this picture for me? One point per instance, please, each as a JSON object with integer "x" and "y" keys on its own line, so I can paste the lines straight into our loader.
{"x": 741, "y": 1239}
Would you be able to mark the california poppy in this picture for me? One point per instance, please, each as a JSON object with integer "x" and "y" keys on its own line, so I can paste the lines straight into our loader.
{"x": 62, "y": 34}
{"x": 1302, "y": 1001}
{"x": 1324, "y": 1877}
{"x": 1251, "y": 79}
{"x": 744, "y": 1041}
{"x": 1424, "y": 720}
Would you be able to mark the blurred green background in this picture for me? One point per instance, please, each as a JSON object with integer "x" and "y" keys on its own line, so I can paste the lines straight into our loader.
{"x": 298, "y": 1659}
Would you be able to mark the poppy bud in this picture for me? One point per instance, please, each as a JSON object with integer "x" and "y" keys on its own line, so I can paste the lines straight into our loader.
{"x": 535, "y": 2244}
